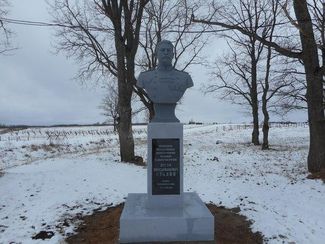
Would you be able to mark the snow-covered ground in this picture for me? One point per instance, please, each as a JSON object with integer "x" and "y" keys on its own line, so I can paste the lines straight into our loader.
{"x": 29, "y": 145}
{"x": 49, "y": 180}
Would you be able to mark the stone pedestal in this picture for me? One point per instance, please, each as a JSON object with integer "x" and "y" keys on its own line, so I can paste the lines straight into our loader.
{"x": 190, "y": 222}
{"x": 165, "y": 213}
{"x": 165, "y": 164}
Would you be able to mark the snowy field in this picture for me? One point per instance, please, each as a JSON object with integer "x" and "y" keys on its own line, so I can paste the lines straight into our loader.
{"x": 53, "y": 175}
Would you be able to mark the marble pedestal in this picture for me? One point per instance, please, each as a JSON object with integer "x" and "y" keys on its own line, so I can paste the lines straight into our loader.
{"x": 165, "y": 213}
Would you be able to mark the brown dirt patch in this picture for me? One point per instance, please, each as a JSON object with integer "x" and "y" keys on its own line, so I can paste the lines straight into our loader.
{"x": 317, "y": 176}
{"x": 103, "y": 227}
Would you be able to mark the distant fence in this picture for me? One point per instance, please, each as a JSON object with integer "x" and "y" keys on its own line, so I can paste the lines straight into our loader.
{"x": 229, "y": 127}
{"x": 57, "y": 134}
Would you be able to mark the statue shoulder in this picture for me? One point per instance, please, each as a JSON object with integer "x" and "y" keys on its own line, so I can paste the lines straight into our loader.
{"x": 189, "y": 82}
{"x": 144, "y": 77}
{"x": 180, "y": 71}
{"x": 183, "y": 73}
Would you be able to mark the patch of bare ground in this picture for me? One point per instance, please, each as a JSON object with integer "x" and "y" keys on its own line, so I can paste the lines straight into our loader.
{"x": 317, "y": 176}
{"x": 103, "y": 227}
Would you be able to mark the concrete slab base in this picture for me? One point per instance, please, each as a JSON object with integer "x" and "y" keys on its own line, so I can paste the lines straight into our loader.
{"x": 142, "y": 223}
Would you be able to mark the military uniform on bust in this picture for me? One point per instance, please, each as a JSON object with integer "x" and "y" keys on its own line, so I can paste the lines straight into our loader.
{"x": 165, "y": 85}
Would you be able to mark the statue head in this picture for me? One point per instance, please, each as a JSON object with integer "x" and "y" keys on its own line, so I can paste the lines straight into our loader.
{"x": 165, "y": 53}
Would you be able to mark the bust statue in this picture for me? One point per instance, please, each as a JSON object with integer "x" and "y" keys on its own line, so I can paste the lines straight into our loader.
{"x": 164, "y": 85}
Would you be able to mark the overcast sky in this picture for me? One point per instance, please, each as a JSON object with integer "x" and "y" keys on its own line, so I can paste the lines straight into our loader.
{"x": 37, "y": 86}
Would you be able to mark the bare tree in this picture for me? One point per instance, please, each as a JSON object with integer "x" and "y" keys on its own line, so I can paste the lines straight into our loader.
{"x": 5, "y": 32}
{"x": 126, "y": 18}
{"x": 109, "y": 104}
{"x": 233, "y": 77}
{"x": 293, "y": 96}
{"x": 276, "y": 82}
{"x": 103, "y": 36}
{"x": 307, "y": 53}
{"x": 315, "y": 86}
{"x": 270, "y": 13}
{"x": 246, "y": 54}
{"x": 170, "y": 20}
{"x": 250, "y": 61}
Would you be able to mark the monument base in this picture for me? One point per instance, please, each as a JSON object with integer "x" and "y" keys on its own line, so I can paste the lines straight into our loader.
{"x": 141, "y": 223}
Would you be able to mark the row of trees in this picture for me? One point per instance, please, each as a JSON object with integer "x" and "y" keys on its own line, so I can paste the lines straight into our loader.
{"x": 255, "y": 75}
{"x": 308, "y": 50}
{"x": 272, "y": 54}
{"x": 114, "y": 38}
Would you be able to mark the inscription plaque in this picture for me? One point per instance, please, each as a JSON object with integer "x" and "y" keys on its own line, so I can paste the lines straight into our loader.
{"x": 165, "y": 166}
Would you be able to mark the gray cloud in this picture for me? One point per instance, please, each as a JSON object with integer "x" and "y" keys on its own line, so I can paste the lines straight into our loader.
{"x": 36, "y": 85}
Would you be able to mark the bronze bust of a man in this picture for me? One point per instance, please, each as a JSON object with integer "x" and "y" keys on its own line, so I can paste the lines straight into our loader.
{"x": 165, "y": 85}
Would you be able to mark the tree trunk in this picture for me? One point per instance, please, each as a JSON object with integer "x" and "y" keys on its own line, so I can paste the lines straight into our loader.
{"x": 254, "y": 98}
{"x": 145, "y": 100}
{"x": 316, "y": 155}
{"x": 151, "y": 111}
{"x": 124, "y": 105}
{"x": 126, "y": 43}
{"x": 265, "y": 144}
{"x": 115, "y": 124}
{"x": 125, "y": 124}
{"x": 255, "y": 134}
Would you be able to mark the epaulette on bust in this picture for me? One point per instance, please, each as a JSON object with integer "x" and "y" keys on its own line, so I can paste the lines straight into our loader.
{"x": 181, "y": 71}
